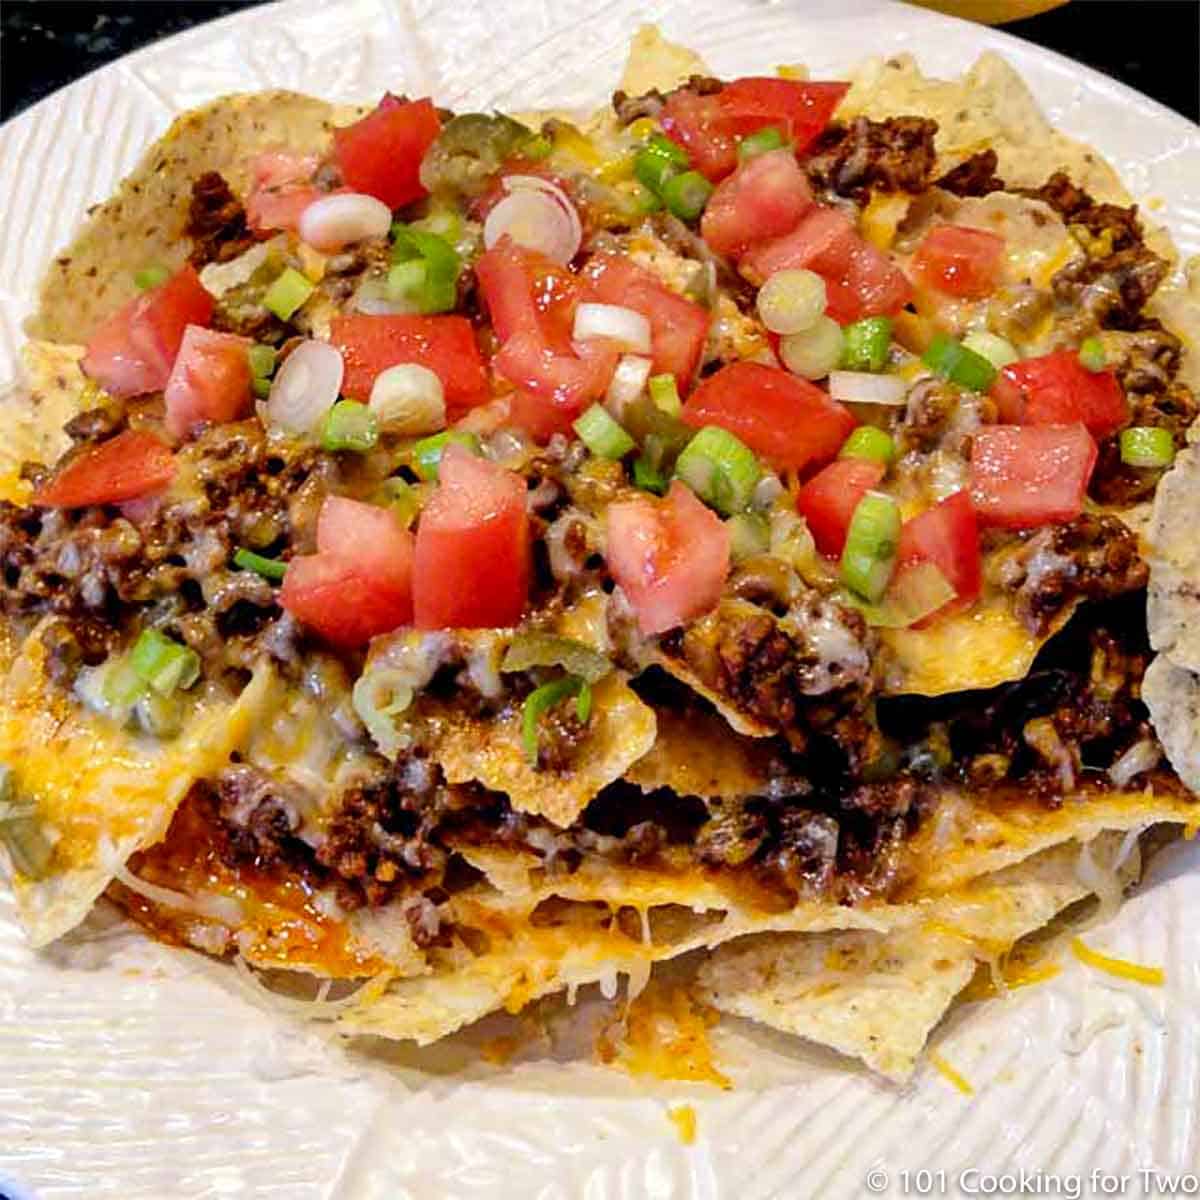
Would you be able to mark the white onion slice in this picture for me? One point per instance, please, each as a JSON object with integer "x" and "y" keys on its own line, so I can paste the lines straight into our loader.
{"x": 335, "y": 221}
{"x": 628, "y": 382}
{"x": 305, "y": 387}
{"x": 538, "y": 215}
{"x": 408, "y": 398}
{"x": 628, "y": 329}
{"x": 861, "y": 387}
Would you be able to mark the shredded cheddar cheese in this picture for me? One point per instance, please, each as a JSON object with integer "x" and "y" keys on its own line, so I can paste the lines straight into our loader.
{"x": 950, "y": 1074}
{"x": 683, "y": 1117}
{"x": 1119, "y": 968}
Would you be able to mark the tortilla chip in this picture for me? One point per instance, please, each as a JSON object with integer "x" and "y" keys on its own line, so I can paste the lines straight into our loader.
{"x": 490, "y": 751}
{"x": 980, "y": 648}
{"x": 99, "y": 792}
{"x": 877, "y": 996}
{"x": 143, "y": 223}
{"x": 654, "y": 62}
{"x": 1173, "y": 602}
{"x": 1172, "y": 694}
{"x": 698, "y": 754}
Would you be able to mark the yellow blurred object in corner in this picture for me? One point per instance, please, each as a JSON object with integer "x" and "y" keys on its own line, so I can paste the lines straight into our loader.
{"x": 991, "y": 12}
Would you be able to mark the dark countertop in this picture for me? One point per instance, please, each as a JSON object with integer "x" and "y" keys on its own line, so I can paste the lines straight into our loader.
{"x": 1152, "y": 45}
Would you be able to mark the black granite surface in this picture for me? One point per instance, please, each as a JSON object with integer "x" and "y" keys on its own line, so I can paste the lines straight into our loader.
{"x": 1152, "y": 45}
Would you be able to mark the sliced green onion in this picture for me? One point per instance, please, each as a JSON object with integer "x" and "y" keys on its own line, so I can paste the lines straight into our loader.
{"x": 665, "y": 394}
{"x": 1146, "y": 446}
{"x": 870, "y": 443}
{"x": 867, "y": 344}
{"x": 686, "y": 195}
{"x": 539, "y": 146}
{"x": 262, "y": 360}
{"x": 122, "y": 685}
{"x": 425, "y": 270}
{"x": 813, "y": 352}
{"x": 871, "y": 543}
{"x": 553, "y": 650}
{"x": 427, "y": 453}
{"x": 955, "y": 362}
{"x": 720, "y": 469}
{"x": 601, "y": 434}
{"x": 162, "y": 663}
{"x": 261, "y": 387}
{"x": 761, "y": 142}
{"x": 673, "y": 152}
{"x": 161, "y": 716}
{"x": 287, "y": 293}
{"x": 916, "y": 592}
{"x": 791, "y": 301}
{"x": 447, "y": 223}
{"x": 997, "y": 350}
{"x": 542, "y": 699}
{"x": 268, "y": 568}
{"x": 151, "y": 277}
{"x": 379, "y": 696}
{"x": 658, "y": 161}
{"x": 648, "y": 477}
{"x": 401, "y": 497}
{"x": 349, "y": 425}
{"x": 749, "y": 534}
{"x": 1092, "y": 354}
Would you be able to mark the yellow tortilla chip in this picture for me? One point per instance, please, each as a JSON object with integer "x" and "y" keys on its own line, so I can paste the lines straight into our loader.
{"x": 1172, "y": 694}
{"x": 490, "y": 751}
{"x": 143, "y": 223}
{"x": 878, "y": 996}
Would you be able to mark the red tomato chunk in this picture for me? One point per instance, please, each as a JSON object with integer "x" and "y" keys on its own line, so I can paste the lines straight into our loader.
{"x": 123, "y": 468}
{"x": 828, "y": 500}
{"x": 764, "y": 198}
{"x": 359, "y": 583}
{"x": 678, "y": 327}
{"x": 210, "y": 380}
{"x": 1057, "y": 389}
{"x": 946, "y": 535}
{"x": 472, "y": 553}
{"x": 670, "y": 557}
{"x": 381, "y": 154}
{"x": 444, "y": 344}
{"x": 787, "y": 420}
{"x": 1023, "y": 476}
{"x": 134, "y": 350}
{"x": 959, "y": 260}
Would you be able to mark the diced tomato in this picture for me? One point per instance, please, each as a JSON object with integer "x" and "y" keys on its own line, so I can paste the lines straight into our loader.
{"x": 473, "y": 555}
{"x": 445, "y": 344}
{"x": 764, "y": 198}
{"x": 132, "y": 464}
{"x": 670, "y": 557}
{"x": 281, "y": 190}
{"x": 381, "y": 154}
{"x": 946, "y": 535}
{"x": 359, "y": 583}
{"x": 698, "y": 124}
{"x": 828, "y": 500}
{"x": 678, "y": 327}
{"x": 1057, "y": 389}
{"x": 787, "y": 420}
{"x": 210, "y": 380}
{"x": 860, "y": 280}
{"x": 1028, "y": 475}
{"x": 532, "y": 302}
{"x": 134, "y": 350}
{"x": 708, "y": 127}
{"x": 959, "y": 260}
{"x": 801, "y": 108}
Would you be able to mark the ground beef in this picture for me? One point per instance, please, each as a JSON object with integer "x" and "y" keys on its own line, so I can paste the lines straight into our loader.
{"x": 72, "y": 643}
{"x": 260, "y": 814}
{"x": 896, "y": 155}
{"x": 1118, "y": 227}
{"x": 1093, "y": 557}
{"x": 975, "y": 176}
{"x": 216, "y": 222}
{"x": 96, "y": 564}
{"x": 1113, "y": 289}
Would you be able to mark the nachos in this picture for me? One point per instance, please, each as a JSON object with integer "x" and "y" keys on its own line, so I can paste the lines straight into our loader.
{"x": 462, "y": 557}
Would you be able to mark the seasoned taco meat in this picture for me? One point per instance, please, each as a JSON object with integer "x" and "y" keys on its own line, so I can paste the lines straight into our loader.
{"x": 216, "y": 222}
{"x": 895, "y": 155}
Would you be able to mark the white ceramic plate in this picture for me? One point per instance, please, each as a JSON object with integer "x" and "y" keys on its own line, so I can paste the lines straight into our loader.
{"x": 130, "y": 1070}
